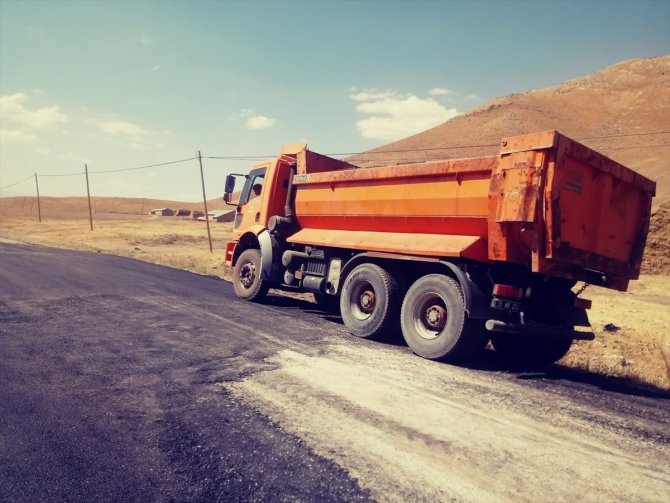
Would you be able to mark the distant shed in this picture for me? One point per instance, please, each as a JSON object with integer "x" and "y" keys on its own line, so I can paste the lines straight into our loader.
{"x": 165, "y": 212}
{"x": 181, "y": 212}
{"x": 219, "y": 216}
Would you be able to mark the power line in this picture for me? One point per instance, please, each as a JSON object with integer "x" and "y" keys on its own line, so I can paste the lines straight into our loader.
{"x": 399, "y": 151}
{"x": 641, "y": 146}
{"x": 623, "y": 135}
{"x": 457, "y": 147}
{"x": 63, "y": 174}
{"x": 16, "y": 183}
{"x": 143, "y": 167}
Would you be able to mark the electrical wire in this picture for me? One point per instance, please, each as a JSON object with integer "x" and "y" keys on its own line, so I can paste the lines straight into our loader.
{"x": 143, "y": 167}
{"x": 78, "y": 173}
{"x": 16, "y": 183}
{"x": 399, "y": 151}
{"x": 458, "y": 147}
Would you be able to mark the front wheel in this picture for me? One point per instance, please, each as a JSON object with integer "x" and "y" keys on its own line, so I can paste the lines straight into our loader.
{"x": 530, "y": 350}
{"x": 247, "y": 280}
{"x": 434, "y": 322}
{"x": 369, "y": 301}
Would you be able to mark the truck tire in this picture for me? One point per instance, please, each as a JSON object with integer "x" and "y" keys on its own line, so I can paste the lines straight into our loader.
{"x": 530, "y": 350}
{"x": 369, "y": 301}
{"x": 434, "y": 322}
{"x": 247, "y": 280}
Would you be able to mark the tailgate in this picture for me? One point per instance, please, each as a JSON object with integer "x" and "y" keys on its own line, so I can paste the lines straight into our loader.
{"x": 594, "y": 220}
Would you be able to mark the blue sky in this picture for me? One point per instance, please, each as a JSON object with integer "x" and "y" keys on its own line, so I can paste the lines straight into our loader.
{"x": 129, "y": 83}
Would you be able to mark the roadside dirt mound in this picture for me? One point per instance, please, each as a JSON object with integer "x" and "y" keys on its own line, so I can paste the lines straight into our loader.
{"x": 657, "y": 253}
{"x": 606, "y": 111}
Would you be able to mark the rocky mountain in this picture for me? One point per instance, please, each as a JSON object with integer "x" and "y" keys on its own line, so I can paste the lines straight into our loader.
{"x": 623, "y": 111}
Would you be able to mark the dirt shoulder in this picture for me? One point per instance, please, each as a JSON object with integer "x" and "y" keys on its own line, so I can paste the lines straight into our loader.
{"x": 632, "y": 329}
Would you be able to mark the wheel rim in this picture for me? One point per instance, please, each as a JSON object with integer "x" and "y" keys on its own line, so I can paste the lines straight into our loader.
{"x": 429, "y": 315}
{"x": 363, "y": 300}
{"x": 247, "y": 275}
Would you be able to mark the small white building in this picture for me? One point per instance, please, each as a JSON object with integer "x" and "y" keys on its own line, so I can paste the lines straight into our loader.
{"x": 219, "y": 216}
{"x": 165, "y": 212}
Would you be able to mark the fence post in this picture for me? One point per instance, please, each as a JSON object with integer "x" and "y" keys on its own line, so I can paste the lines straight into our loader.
{"x": 39, "y": 209}
{"x": 88, "y": 193}
{"x": 204, "y": 199}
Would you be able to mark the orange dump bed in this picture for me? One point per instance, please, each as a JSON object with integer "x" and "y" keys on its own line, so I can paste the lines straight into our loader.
{"x": 545, "y": 201}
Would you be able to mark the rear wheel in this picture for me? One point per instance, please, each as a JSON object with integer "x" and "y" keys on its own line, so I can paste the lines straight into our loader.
{"x": 247, "y": 280}
{"x": 369, "y": 301}
{"x": 530, "y": 350}
{"x": 434, "y": 322}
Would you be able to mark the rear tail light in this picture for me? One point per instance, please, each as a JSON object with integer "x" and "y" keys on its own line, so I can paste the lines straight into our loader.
{"x": 510, "y": 292}
{"x": 582, "y": 303}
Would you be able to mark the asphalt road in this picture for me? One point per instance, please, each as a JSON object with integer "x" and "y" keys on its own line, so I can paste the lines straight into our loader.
{"x": 108, "y": 369}
{"x": 121, "y": 381}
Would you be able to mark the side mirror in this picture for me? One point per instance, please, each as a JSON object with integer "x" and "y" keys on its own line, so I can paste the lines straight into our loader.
{"x": 230, "y": 184}
{"x": 228, "y": 191}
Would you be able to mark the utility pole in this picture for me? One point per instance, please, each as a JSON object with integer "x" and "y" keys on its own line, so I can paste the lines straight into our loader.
{"x": 88, "y": 193}
{"x": 204, "y": 199}
{"x": 39, "y": 209}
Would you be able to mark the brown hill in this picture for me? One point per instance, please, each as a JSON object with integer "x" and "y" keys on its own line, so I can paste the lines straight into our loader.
{"x": 78, "y": 206}
{"x": 657, "y": 253}
{"x": 609, "y": 111}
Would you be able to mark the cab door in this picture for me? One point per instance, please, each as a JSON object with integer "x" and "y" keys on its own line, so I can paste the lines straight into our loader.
{"x": 251, "y": 200}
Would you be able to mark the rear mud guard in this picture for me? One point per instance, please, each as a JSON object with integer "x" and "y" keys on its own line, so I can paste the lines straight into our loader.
{"x": 477, "y": 302}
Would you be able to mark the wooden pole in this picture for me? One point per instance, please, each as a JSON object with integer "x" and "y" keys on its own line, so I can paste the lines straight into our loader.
{"x": 88, "y": 193}
{"x": 39, "y": 209}
{"x": 204, "y": 199}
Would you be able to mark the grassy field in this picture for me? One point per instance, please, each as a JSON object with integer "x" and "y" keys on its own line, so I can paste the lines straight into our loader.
{"x": 632, "y": 328}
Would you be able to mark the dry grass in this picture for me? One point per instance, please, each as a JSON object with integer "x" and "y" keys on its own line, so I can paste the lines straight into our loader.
{"x": 171, "y": 241}
{"x": 632, "y": 333}
{"x": 639, "y": 350}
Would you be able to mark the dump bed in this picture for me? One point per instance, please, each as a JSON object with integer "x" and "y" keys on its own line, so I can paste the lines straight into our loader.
{"x": 545, "y": 202}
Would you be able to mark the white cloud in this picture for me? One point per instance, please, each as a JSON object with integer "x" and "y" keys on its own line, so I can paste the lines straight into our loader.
{"x": 393, "y": 116}
{"x": 122, "y": 127}
{"x": 441, "y": 91}
{"x": 373, "y": 94}
{"x": 260, "y": 122}
{"x": 75, "y": 158}
{"x": 242, "y": 114}
{"x": 12, "y": 109}
{"x": 7, "y": 137}
{"x": 475, "y": 97}
{"x": 119, "y": 127}
{"x": 157, "y": 67}
{"x": 145, "y": 39}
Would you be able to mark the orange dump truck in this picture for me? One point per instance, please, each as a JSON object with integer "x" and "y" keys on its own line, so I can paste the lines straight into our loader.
{"x": 453, "y": 253}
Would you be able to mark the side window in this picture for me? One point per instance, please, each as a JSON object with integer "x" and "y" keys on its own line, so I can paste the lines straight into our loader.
{"x": 257, "y": 186}
{"x": 253, "y": 185}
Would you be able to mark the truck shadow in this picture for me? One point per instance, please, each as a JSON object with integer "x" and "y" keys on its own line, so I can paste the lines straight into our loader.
{"x": 490, "y": 361}
{"x": 303, "y": 306}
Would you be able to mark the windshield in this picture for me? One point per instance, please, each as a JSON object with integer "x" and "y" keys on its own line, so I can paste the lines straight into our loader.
{"x": 253, "y": 185}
